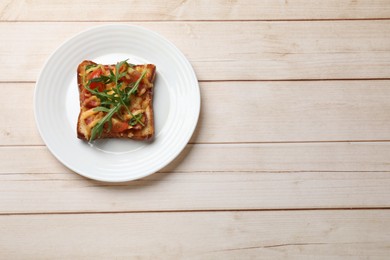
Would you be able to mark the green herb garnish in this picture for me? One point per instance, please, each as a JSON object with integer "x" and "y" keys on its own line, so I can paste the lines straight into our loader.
{"x": 90, "y": 66}
{"x": 113, "y": 102}
{"x": 135, "y": 119}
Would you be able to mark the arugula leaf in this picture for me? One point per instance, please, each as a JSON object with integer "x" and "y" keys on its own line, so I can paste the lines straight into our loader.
{"x": 100, "y": 95}
{"x": 130, "y": 64}
{"x": 134, "y": 89}
{"x": 103, "y": 109}
{"x": 97, "y": 130}
{"x": 117, "y": 69}
{"x": 103, "y": 79}
{"x": 90, "y": 66}
{"x": 113, "y": 102}
{"x": 135, "y": 119}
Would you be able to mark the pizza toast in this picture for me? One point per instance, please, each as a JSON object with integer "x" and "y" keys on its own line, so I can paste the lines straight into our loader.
{"x": 116, "y": 101}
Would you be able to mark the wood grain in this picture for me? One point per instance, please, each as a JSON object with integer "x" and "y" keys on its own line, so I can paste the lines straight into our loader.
{"x": 89, "y": 10}
{"x": 343, "y": 235}
{"x": 257, "y": 112}
{"x": 290, "y": 158}
{"x": 341, "y": 156}
{"x": 294, "y": 111}
{"x": 64, "y": 193}
{"x": 208, "y": 177}
{"x": 250, "y": 51}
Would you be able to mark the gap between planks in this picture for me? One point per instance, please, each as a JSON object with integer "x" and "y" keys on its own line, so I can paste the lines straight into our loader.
{"x": 201, "y": 20}
{"x": 190, "y": 211}
{"x": 238, "y": 143}
{"x": 102, "y": 183}
{"x": 295, "y": 142}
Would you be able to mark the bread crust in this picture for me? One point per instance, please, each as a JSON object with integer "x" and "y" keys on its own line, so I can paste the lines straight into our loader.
{"x": 145, "y": 133}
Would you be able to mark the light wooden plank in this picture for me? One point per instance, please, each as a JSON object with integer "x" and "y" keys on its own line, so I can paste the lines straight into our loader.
{"x": 251, "y": 112}
{"x": 312, "y": 157}
{"x": 54, "y": 193}
{"x": 294, "y": 111}
{"x": 208, "y": 177}
{"x": 89, "y": 10}
{"x": 203, "y": 235}
{"x": 250, "y": 51}
{"x": 18, "y": 123}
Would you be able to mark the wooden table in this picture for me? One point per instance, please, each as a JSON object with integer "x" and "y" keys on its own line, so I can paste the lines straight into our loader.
{"x": 290, "y": 159}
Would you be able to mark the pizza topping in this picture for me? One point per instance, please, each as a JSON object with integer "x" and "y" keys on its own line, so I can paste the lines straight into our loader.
{"x": 89, "y": 119}
{"x": 90, "y": 67}
{"x": 112, "y": 97}
{"x": 91, "y": 102}
{"x": 118, "y": 126}
{"x": 96, "y": 84}
{"x": 135, "y": 119}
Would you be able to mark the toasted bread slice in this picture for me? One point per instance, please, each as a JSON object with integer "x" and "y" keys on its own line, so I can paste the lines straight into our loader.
{"x": 134, "y": 122}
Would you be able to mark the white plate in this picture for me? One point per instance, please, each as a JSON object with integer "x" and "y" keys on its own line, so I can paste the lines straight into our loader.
{"x": 176, "y": 103}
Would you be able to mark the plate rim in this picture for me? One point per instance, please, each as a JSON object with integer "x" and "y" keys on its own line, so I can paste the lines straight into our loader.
{"x": 121, "y": 27}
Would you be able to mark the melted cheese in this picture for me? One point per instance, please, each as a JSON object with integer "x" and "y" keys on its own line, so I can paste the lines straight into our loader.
{"x": 138, "y": 103}
{"x": 135, "y": 112}
{"x": 91, "y": 98}
{"x": 85, "y": 128}
{"x": 92, "y": 69}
